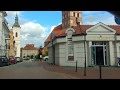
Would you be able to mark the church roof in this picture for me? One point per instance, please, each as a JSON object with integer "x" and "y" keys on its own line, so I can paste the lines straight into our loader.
{"x": 59, "y": 32}
{"x": 16, "y": 24}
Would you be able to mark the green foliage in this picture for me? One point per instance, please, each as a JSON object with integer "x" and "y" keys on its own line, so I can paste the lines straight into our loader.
{"x": 46, "y": 53}
{"x": 37, "y": 56}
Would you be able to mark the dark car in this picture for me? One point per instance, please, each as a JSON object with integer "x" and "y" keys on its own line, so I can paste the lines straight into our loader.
{"x": 4, "y": 61}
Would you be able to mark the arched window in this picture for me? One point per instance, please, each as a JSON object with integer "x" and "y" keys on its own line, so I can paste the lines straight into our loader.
{"x": 16, "y": 34}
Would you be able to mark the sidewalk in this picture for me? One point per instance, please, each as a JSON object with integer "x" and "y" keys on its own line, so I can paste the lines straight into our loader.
{"x": 91, "y": 72}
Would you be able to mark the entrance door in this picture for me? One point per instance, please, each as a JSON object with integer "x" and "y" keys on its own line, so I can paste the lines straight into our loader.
{"x": 99, "y": 56}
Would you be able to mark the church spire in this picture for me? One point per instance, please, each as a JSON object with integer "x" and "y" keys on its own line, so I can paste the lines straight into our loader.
{"x": 16, "y": 24}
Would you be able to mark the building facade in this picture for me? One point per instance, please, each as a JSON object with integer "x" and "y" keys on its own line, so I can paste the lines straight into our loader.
{"x": 11, "y": 44}
{"x": 4, "y": 34}
{"x": 93, "y": 44}
{"x": 29, "y": 50}
{"x": 16, "y": 33}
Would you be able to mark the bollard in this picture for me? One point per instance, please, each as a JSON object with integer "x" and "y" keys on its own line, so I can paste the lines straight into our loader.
{"x": 100, "y": 71}
{"x": 76, "y": 66}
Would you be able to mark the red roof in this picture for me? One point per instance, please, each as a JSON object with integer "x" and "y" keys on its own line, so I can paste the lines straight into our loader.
{"x": 30, "y": 47}
{"x": 58, "y": 31}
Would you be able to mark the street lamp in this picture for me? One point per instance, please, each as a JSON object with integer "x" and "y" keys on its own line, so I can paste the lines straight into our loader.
{"x": 78, "y": 23}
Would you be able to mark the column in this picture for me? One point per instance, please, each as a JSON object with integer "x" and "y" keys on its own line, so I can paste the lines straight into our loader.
{"x": 112, "y": 59}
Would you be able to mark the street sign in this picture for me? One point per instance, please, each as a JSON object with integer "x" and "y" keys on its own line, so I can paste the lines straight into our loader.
{"x": 117, "y": 20}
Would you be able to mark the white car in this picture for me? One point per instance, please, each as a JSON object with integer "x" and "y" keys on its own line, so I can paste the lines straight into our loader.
{"x": 45, "y": 58}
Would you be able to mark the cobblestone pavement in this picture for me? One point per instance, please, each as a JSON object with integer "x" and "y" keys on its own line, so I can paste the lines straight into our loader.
{"x": 91, "y": 72}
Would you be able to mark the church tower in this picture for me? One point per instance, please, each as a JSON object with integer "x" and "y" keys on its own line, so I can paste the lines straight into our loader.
{"x": 71, "y": 18}
{"x": 16, "y": 33}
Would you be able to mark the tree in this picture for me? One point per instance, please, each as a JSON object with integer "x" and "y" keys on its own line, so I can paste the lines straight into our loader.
{"x": 46, "y": 53}
{"x": 40, "y": 53}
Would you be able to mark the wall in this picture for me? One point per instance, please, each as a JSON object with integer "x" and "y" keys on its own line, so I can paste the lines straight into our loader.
{"x": 50, "y": 60}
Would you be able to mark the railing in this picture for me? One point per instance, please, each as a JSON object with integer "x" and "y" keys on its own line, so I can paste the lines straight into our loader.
{"x": 7, "y": 36}
{"x": 7, "y": 47}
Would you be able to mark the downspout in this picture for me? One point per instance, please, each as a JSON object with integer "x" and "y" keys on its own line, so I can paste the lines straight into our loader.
{"x": 115, "y": 50}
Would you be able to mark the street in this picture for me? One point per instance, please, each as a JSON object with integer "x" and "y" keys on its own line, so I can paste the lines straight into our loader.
{"x": 29, "y": 70}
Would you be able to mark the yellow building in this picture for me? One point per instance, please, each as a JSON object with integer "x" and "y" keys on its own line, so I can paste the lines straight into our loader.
{"x": 11, "y": 44}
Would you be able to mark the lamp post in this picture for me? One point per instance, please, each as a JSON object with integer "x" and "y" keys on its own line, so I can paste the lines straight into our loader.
{"x": 78, "y": 23}
{"x": 85, "y": 55}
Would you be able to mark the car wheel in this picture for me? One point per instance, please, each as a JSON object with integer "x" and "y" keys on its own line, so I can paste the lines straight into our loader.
{"x": 46, "y": 59}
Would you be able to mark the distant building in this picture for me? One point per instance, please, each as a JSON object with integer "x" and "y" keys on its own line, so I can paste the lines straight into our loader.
{"x": 29, "y": 50}
{"x": 66, "y": 42}
{"x": 44, "y": 51}
{"x": 16, "y": 33}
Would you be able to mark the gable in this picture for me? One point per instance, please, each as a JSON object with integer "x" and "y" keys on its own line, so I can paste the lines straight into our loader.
{"x": 100, "y": 28}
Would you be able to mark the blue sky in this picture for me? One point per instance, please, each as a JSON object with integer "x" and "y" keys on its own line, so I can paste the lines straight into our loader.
{"x": 37, "y": 25}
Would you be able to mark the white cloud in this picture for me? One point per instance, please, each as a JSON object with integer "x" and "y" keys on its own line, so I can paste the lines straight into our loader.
{"x": 96, "y": 17}
{"x": 13, "y": 13}
{"x": 33, "y": 33}
{"x": 52, "y": 27}
{"x": 11, "y": 18}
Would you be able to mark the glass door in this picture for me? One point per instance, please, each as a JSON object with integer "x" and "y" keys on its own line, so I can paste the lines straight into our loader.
{"x": 93, "y": 54}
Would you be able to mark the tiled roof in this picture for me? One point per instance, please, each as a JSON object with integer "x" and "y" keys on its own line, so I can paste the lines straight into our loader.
{"x": 58, "y": 31}
{"x": 30, "y": 47}
{"x": 115, "y": 27}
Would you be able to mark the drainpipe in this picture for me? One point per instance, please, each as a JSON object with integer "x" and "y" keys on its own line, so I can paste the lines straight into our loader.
{"x": 78, "y": 23}
{"x": 116, "y": 48}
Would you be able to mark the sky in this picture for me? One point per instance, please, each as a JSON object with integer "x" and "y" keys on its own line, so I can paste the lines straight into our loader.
{"x": 37, "y": 25}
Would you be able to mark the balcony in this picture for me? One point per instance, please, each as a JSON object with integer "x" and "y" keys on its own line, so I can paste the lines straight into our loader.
{"x": 7, "y": 47}
{"x": 7, "y": 37}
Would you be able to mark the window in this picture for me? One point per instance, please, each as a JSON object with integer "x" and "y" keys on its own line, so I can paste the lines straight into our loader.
{"x": 65, "y": 23}
{"x": 68, "y": 14}
{"x": 77, "y": 14}
{"x": 71, "y": 13}
{"x": 74, "y": 14}
{"x": 63, "y": 17}
{"x": 16, "y": 34}
{"x": 71, "y": 21}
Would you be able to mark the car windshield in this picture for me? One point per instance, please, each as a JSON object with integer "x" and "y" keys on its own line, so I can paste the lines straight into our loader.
{"x": 10, "y": 57}
{"x": 2, "y": 57}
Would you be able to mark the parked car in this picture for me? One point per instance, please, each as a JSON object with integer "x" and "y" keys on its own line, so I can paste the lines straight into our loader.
{"x": 45, "y": 58}
{"x": 4, "y": 61}
{"x": 12, "y": 60}
{"x": 19, "y": 59}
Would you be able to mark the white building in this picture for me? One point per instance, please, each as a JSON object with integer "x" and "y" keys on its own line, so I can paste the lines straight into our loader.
{"x": 101, "y": 42}
{"x": 16, "y": 33}
{"x": 4, "y": 34}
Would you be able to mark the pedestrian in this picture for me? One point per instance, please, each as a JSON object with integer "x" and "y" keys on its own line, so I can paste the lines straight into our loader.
{"x": 40, "y": 57}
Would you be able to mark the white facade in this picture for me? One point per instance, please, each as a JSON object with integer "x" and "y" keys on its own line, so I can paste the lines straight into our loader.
{"x": 102, "y": 45}
{"x": 16, "y": 34}
{"x": 4, "y": 34}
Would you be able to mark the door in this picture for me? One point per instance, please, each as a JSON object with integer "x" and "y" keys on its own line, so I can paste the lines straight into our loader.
{"x": 99, "y": 56}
